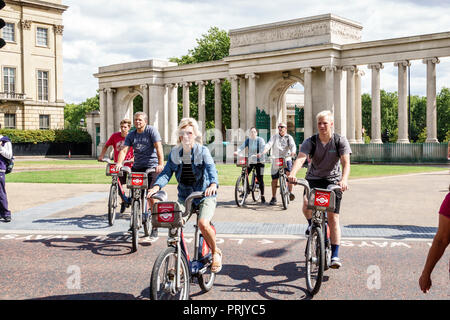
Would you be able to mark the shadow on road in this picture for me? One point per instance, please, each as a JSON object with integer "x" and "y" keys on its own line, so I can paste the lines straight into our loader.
{"x": 86, "y": 222}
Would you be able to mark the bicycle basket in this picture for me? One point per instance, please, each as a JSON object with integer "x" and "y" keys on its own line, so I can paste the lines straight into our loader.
{"x": 242, "y": 162}
{"x": 111, "y": 170}
{"x": 322, "y": 199}
{"x": 137, "y": 180}
{"x": 167, "y": 214}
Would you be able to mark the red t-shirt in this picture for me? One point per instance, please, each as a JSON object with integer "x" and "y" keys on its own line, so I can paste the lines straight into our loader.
{"x": 117, "y": 142}
{"x": 445, "y": 207}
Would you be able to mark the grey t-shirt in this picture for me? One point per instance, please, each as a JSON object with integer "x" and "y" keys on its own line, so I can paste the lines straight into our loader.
{"x": 144, "y": 151}
{"x": 325, "y": 163}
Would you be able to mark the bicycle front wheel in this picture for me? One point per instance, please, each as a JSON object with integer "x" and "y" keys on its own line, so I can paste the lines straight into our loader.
{"x": 240, "y": 191}
{"x": 135, "y": 224}
{"x": 284, "y": 192}
{"x": 163, "y": 279}
{"x": 315, "y": 260}
{"x": 206, "y": 280}
{"x": 112, "y": 204}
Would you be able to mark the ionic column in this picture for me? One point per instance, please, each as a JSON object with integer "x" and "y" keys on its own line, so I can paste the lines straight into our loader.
{"x": 402, "y": 101}
{"x": 145, "y": 99}
{"x": 218, "y": 108}
{"x": 201, "y": 106}
{"x": 186, "y": 105}
{"x": 308, "y": 112}
{"x": 358, "y": 107}
{"x": 376, "y": 102}
{"x": 234, "y": 103}
{"x": 251, "y": 108}
{"x": 329, "y": 84}
{"x": 431, "y": 99}
{"x": 351, "y": 112}
{"x": 110, "y": 111}
{"x": 103, "y": 136}
{"x": 173, "y": 112}
{"x": 243, "y": 103}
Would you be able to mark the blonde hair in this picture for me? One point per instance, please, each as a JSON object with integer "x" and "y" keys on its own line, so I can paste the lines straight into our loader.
{"x": 325, "y": 114}
{"x": 186, "y": 122}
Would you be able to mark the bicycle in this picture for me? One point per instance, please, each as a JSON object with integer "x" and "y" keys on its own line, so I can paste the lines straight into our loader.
{"x": 174, "y": 270}
{"x": 242, "y": 187}
{"x": 115, "y": 189}
{"x": 281, "y": 163}
{"x": 318, "y": 245}
{"x": 137, "y": 182}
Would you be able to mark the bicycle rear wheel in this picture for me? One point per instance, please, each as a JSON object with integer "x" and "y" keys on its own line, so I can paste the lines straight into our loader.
{"x": 135, "y": 224}
{"x": 112, "y": 204}
{"x": 256, "y": 192}
{"x": 240, "y": 191}
{"x": 163, "y": 278}
{"x": 315, "y": 260}
{"x": 284, "y": 192}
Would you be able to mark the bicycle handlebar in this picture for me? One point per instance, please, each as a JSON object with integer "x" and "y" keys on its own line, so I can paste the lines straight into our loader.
{"x": 304, "y": 183}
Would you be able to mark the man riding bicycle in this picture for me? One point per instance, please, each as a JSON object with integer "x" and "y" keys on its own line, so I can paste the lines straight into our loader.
{"x": 283, "y": 146}
{"x": 148, "y": 153}
{"x": 195, "y": 170}
{"x": 117, "y": 140}
{"x": 254, "y": 145}
{"x": 328, "y": 152}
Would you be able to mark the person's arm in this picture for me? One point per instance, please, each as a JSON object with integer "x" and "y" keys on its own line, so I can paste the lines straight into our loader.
{"x": 160, "y": 154}
{"x": 163, "y": 178}
{"x": 121, "y": 157}
{"x": 345, "y": 162}
{"x": 102, "y": 154}
{"x": 294, "y": 147}
{"x": 211, "y": 170}
{"x": 6, "y": 150}
{"x": 268, "y": 146}
{"x": 242, "y": 147}
{"x": 440, "y": 243}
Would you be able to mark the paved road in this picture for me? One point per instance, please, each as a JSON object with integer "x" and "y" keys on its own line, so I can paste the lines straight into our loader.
{"x": 387, "y": 224}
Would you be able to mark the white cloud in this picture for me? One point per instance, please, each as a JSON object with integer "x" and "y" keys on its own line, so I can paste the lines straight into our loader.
{"x": 103, "y": 32}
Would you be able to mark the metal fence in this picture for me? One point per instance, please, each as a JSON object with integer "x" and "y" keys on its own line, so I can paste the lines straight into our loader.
{"x": 399, "y": 152}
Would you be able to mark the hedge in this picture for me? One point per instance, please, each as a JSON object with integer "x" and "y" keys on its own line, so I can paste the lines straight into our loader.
{"x": 57, "y": 135}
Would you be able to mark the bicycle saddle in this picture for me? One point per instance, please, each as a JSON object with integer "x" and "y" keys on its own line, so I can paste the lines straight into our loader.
{"x": 161, "y": 195}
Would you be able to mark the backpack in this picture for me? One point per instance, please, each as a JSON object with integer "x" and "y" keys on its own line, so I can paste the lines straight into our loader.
{"x": 8, "y": 162}
{"x": 314, "y": 138}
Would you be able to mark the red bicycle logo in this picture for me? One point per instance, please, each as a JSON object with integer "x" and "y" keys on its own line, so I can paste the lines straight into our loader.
{"x": 137, "y": 180}
{"x": 113, "y": 169}
{"x": 322, "y": 199}
{"x": 165, "y": 212}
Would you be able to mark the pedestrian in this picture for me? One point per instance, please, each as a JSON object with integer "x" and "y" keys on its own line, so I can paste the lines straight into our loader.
{"x": 328, "y": 152}
{"x": 440, "y": 243}
{"x": 5, "y": 154}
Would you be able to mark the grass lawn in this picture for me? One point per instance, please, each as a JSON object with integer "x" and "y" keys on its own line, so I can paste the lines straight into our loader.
{"x": 227, "y": 173}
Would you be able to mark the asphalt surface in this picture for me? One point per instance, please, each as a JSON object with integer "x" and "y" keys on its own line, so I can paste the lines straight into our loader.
{"x": 60, "y": 233}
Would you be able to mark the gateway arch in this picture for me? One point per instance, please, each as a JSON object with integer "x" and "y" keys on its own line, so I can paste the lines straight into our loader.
{"x": 321, "y": 52}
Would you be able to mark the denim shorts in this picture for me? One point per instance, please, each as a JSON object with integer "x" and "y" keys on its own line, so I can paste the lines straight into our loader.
{"x": 288, "y": 168}
{"x": 207, "y": 208}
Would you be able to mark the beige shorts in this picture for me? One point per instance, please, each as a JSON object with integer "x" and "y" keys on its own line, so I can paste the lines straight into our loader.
{"x": 206, "y": 210}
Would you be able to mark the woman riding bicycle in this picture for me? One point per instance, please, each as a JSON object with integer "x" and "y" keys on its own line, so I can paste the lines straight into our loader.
{"x": 255, "y": 144}
{"x": 195, "y": 170}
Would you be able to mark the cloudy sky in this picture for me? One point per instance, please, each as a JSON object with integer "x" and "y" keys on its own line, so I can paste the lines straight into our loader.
{"x": 104, "y": 32}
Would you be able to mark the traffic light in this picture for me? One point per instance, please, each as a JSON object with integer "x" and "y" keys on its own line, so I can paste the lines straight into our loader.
{"x": 2, "y": 24}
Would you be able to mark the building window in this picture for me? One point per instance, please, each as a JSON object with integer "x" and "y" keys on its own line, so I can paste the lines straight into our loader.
{"x": 42, "y": 37}
{"x": 8, "y": 33}
{"x": 10, "y": 121}
{"x": 42, "y": 85}
{"x": 44, "y": 121}
{"x": 9, "y": 80}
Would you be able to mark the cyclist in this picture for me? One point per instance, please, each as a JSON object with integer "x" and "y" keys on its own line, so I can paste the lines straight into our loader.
{"x": 117, "y": 140}
{"x": 254, "y": 145}
{"x": 195, "y": 170}
{"x": 328, "y": 152}
{"x": 283, "y": 146}
{"x": 148, "y": 152}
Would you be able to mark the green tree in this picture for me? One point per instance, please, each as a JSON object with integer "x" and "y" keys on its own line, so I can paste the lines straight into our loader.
{"x": 74, "y": 113}
{"x": 214, "y": 45}
{"x": 443, "y": 113}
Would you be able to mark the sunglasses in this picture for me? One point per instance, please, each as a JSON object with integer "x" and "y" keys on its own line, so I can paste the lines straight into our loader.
{"x": 281, "y": 127}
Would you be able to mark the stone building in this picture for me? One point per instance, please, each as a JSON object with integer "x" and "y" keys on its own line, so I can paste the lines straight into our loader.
{"x": 322, "y": 53}
{"x": 31, "y": 92}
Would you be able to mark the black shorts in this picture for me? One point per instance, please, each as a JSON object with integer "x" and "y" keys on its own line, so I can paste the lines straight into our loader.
{"x": 287, "y": 169}
{"x": 323, "y": 184}
{"x": 151, "y": 176}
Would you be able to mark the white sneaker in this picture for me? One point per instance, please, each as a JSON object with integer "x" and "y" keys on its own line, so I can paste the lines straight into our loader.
{"x": 335, "y": 263}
